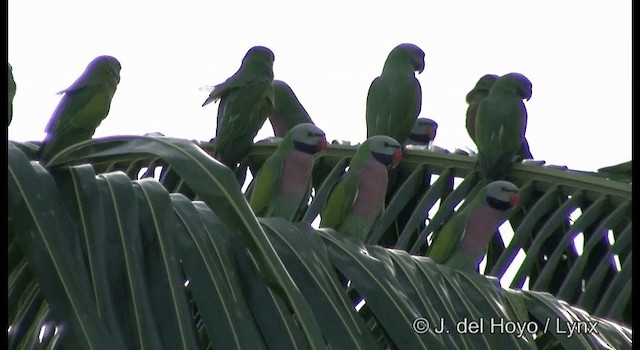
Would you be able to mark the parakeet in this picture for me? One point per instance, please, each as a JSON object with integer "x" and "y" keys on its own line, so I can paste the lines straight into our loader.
{"x": 501, "y": 123}
{"x": 283, "y": 181}
{"x": 246, "y": 99}
{"x": 423, "y": 132}
{"x": 358, "y": 197}
{"x": 12, "y": 93}
{"x": 395, "y": 97}
{"x": 287, "y": 110}
{"x": 474, "y": 97}
{"x": 463, "y": 240}
{"x": 83, "y": 107}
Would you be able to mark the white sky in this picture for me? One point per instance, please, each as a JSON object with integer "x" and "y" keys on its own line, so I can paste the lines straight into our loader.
{"x": 576, "y": 53}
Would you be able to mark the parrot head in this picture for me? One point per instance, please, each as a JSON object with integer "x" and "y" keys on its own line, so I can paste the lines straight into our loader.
{"x": 482, "y": 87}
{"x": 307, "y": 138}
{"x": 104, "y": 66}
{"x": 519, "y": 82}
{"x": 258, "y": 55}
{"x": 502, "y": 195}
{"x": 383, "y": 149}
{"x": 410, "y": 52}
{"x": 424, "y": 130}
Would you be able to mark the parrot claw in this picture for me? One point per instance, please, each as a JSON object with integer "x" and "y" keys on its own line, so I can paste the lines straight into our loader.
{"x": 533, "y": 162}
{"x": 559, "y": 167}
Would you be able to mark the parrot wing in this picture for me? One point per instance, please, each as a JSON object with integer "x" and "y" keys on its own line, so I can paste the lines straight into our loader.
{"x": 340, "y": 201}
{"x": 265, "y": 187}
{"x": 448, "y": 238}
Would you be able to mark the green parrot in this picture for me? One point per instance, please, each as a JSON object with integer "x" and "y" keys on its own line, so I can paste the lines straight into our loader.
{"x": 474, "y": 97}
{"x": 395, "y": 97}
{"x": 12, "y": 93}
{"x": 83, "y": 107}
{"x": 283, "y": 181}
{"x": 463, "y": 240}
{"x": 358, "y": 197}
{"x": 246, "y": 99}
{"x": 423, "y": 132}
{"x": 287, "y": 110}
{"x": 501, "y": 123}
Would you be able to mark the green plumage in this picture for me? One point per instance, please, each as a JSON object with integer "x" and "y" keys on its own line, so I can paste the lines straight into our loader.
{"x": 287, "y": 111}
{"x": 358, "y": 197}
{"x": 394, "y": 100}
{"x": 474, "y": 97}
{"x": 12, "y": 92}
{"x": 246, "y": 98}
{"x": 283, "y": 181}
{"x": 463, "y": 239}
{"x": 501, "y": 123}
{"x": 83, "y": 107}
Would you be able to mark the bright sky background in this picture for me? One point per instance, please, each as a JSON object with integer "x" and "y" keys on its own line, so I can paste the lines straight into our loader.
{"x": 576, "y": 53}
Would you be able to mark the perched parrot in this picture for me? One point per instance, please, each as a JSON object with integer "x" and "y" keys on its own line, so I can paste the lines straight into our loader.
{"x": 474, "y": 97}
{"x": 423, "y": 132}
{"x": 83, "y": 107}
{"x": 12, "y": 93}
{"x": 395, "y": 97}
{"x": 283, "y": 181}
{"x": 246, "y": 99}
{"x": 501, "y": 123}
{"x": 358, "y": 197}
{"x": 287, "y": 110}
{"x": 463, "y": 240}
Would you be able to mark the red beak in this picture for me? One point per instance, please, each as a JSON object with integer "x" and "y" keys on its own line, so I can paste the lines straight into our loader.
{"x": 397, "y": 157}
{"x": 515, "y": 199}
{"x": 323, "y": 144}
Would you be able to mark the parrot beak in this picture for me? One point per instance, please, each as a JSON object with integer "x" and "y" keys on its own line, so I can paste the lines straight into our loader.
{"x": 515, "y": 199}
{"x": 323, "y": 144}
{"x": 397, "y": 157}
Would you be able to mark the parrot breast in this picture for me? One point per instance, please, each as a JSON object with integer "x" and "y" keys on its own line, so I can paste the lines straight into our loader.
{"x": 372, "y": 189}
{"x": 296, "y": 168}
{"x": 481, "y": 225}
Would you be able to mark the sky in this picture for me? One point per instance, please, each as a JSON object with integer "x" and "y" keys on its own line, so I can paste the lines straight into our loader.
{"x": 577, "y": 55}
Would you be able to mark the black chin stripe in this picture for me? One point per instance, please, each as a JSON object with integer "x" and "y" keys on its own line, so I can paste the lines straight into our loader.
{"x": 305, "y": 147}
{"x": 498, "y": 204}
{"x": 385, "y": 159}
{"x": 423, "y": 138}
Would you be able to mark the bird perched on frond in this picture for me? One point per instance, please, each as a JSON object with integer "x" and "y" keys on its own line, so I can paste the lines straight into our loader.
{"x": 394, "y": 99}
{"x": 463, "y": 240}
{"x": 501, "y": 123}
{"x": 358, "y": 197}
{"x": 283, "y": 182}
{"x": 246, "y": 99}
{"x": 84, "y": 105}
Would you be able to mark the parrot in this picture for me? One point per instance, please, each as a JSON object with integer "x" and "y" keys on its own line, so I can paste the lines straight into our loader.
{"x": 463, "y": 240}
{"x": 246, "y": 99}
{"x": 287, "y": 110}
{"x": 283, "y": 181}
{"x": 12, "y": 93}
{"x": 358, "y": 197}
{"x": 474, "y": 97}
{"x": 501, "y": 123}
{"x": 394, "y": 99}
{"x": 423, "y": 132}
{"x": 83, "y": 107}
